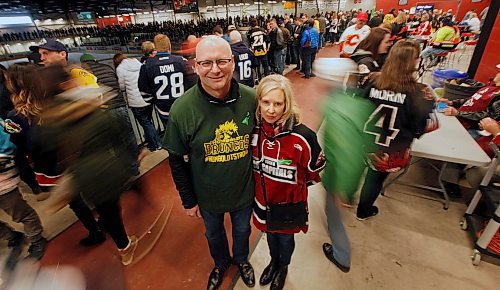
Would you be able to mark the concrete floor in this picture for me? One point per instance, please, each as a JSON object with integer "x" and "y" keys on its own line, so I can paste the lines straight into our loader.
{"x": 412, "y": 244}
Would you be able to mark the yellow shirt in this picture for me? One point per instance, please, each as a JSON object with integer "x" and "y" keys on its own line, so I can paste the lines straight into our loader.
{"x": 389, "y": 18}
{"x": 84, "y": 77}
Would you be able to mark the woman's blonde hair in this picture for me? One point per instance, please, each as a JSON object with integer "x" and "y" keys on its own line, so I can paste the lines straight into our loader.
{"x": 27, "y": 90}
{"x": 147, "y": 47}
{"x": 279, "y": 82}
{"x": 401, "y": 18}
{"x": 398, "y": 71}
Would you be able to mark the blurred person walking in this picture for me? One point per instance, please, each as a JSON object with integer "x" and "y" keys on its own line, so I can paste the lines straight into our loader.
{"x": 12, "y": 203}
{"x": 92, "y": 146}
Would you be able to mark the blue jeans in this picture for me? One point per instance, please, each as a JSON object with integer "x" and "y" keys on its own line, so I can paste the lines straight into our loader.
{"x": 281, "y": 248}
{"x": 338, "y": 236}
{"x": 262, "y": 60}
{"x": 321, "y": 40}
{"x": 120, "y": 114}
{"x": 279, "y": 60}
{"x": 145, "y": 119}
{"x": 217, "y": 239}
{"x": 431, "y": 51}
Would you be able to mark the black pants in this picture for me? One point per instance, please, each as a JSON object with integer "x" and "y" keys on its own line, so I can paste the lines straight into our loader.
{"x": 374, "y": 181}
{"x": 110, "y": 219}
{"x": 281, "y": 247}
{"x": 309, "y": 54}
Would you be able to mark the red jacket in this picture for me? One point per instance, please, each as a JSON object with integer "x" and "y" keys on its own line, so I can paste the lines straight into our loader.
{"x": 291, "y": 159}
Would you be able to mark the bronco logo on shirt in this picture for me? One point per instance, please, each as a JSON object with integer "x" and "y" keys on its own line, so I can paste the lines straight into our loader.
{"x": 227, "y": 145}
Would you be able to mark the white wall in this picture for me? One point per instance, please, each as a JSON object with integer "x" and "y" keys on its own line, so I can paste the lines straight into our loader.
{"x": 365, "y": 4}
{"x": 163, "y": 16}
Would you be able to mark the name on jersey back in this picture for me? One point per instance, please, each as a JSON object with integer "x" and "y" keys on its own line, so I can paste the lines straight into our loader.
{"x": 387, "y": 96}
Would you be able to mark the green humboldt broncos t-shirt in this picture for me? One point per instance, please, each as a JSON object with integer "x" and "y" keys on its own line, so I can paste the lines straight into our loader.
{"x": 216, "y": 137}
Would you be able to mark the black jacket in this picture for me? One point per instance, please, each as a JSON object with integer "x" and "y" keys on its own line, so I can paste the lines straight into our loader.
{"x": 244, "y": 62}
{"x": 106, "y": 75}
{"x": 165, "y": 77}
{"x": 363, "y": 57}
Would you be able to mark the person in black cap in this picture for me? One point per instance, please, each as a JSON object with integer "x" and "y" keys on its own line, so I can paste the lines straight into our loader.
{"x": 52, "y": 52}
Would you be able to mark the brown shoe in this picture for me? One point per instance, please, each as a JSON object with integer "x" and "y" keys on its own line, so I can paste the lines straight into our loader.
{"x": 127, "y": 254}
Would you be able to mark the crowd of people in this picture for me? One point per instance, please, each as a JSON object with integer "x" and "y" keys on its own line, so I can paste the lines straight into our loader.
{"x": 234, "y": 132}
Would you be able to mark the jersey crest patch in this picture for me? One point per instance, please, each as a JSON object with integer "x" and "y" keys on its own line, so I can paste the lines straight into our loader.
{"x": 12, "y": 127}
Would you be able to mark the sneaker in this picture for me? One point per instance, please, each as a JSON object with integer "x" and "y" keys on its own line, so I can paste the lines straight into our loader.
{"x": 296, "y": 68}
{"x": 127, "y": 254}
{"x": 37, "y": 249}
{"x": 94, "y": 238}
{"x": 361, "y": 216}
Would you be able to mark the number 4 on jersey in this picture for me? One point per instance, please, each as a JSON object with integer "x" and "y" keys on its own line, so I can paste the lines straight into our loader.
{"x": 381, "y": 125}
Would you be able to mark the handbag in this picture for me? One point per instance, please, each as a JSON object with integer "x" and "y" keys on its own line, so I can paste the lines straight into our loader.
{"x": 282, "y": 216}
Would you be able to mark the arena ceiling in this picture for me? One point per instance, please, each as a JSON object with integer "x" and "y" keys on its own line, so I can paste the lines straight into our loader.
{"x": 104, "y": 7}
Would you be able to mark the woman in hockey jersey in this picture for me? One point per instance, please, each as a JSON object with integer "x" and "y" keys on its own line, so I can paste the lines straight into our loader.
{"x": 286, "y": 158}
{"x": 403, "y": 112}
{"x": 371, "y": 51}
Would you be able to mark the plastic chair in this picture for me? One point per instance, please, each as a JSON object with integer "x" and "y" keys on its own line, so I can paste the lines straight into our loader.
{"x": 467, "y": 44}
{"x": 442, "y": 57}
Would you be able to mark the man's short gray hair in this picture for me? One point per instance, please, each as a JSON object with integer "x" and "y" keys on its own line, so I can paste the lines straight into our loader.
{"x": 235, "y": 37}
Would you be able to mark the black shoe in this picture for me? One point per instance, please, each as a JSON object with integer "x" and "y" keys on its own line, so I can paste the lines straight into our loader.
{"x": 361, "y": 216}
{"x": 37, "y": 249}
{"x": 94, "y": 238}
{"x": 215, "y": 279}
{"x": 268, "y": 273}
{"x": 279, "y": 278}
{"x": 306, "y": 77}
{"x": 247, "y": 274}
{"x": 313, "y": 75}
{"x": 16, "y": 241}
{"x": 328, "y": 251}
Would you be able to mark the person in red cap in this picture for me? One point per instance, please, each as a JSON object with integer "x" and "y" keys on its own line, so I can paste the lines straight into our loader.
{"x": 353, "y": 35}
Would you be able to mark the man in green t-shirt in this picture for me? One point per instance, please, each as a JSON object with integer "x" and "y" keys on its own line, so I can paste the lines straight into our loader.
{"x": 208, "y": 139}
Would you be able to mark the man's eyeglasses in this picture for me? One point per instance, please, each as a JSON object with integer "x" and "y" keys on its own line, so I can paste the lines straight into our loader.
{"x": 208, "y": 64}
